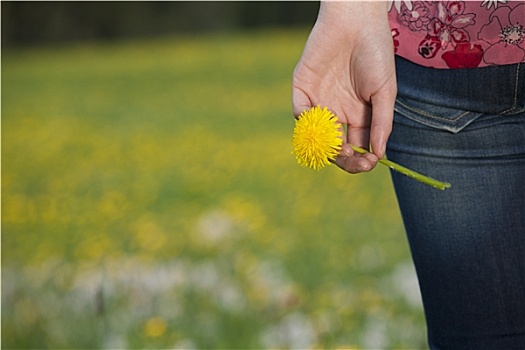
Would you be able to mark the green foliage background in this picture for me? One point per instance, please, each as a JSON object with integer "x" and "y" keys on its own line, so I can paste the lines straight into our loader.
{"x": 150, "y": 199}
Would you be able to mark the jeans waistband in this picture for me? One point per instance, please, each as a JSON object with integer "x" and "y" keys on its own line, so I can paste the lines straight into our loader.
{"x": 490, "y": 90}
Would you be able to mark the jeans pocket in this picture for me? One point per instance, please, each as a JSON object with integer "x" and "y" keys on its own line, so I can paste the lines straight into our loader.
{"x": 439, "y": 117}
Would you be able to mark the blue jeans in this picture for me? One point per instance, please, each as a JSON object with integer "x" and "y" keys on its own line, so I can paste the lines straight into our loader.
{"x": 466, "y": 127}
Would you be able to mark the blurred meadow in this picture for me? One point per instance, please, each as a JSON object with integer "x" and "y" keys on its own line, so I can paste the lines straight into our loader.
{"x": 150, "y": 200}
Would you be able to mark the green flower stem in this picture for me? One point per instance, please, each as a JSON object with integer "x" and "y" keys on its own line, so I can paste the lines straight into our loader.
{"x": 410, "y": 173}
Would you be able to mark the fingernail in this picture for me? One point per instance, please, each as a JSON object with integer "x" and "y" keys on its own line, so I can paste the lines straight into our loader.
{"x": 381, "y": 151}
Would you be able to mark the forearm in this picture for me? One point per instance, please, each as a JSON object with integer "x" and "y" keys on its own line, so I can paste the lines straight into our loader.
{"x": 352, "y": 14}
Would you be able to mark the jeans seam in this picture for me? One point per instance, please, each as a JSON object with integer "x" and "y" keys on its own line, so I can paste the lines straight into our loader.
{"x": 430, "y": 115}
{"x": 516, "y": 84}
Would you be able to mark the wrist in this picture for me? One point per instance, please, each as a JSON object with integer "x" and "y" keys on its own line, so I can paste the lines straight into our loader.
{"x": 352, "y": 11}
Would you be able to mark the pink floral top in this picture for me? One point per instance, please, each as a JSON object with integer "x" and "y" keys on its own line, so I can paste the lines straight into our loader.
{"x": 459, "y": 34}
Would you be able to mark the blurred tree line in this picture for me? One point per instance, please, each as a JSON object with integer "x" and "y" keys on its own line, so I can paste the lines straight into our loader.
{"x": 25, "y": 23}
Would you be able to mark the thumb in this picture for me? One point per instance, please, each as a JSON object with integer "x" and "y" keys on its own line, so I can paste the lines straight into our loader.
{"x": 382, "y": 118}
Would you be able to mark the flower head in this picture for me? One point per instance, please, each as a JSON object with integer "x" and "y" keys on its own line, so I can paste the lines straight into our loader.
{"x": 316, "y": 138}
{"x": 510, "y": 45}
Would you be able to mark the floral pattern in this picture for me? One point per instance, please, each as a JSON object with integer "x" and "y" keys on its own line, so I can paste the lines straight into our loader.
{"x": 511, "y": 37}
{"x": 395, "y": 33}
{"x": 449, "y": 25}
{"x": 459, "y": 34}
{"x": 464, "y": 55}
{"x": 489, "y": 3}
{"x": 415, "y": 18}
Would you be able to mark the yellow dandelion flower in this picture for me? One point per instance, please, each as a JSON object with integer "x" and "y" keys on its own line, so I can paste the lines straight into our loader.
{"x": 155, "y": 327}
{"x": 317, "y": 141}
{"x": 316, "y": 138}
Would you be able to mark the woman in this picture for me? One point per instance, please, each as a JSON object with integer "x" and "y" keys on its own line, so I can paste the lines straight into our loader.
{"x": 457, "y": 69}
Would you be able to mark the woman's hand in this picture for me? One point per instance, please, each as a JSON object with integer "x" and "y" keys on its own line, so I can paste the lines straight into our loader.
{"x": 348, "y": 66}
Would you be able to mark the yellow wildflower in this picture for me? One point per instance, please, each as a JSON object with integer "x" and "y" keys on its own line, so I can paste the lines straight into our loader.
{"x": 316, "y": 138}
{"x": 155, "y": 327}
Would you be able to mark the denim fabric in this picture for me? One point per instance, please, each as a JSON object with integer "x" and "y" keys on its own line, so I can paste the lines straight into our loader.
{"x": 466, "y": 127}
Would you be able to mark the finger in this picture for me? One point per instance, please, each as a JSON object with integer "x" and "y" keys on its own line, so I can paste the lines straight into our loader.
{"x": 300, "y": 101}
{"x": 300, "y": 108}
{"x": 382, "y": 117}
{"x": 359, "y": 134}
{"x": 353, "y": 162}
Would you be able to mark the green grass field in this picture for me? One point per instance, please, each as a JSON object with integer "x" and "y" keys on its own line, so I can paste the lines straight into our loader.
{"x": 150, "y": 200}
